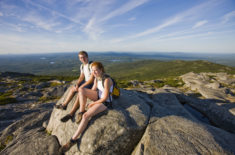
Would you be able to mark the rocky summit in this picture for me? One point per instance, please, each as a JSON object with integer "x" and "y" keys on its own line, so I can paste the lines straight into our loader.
{"x": 195, "y": 118}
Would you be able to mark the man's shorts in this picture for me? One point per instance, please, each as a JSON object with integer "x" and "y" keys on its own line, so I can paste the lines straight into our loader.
{"x": 87, "y": 86}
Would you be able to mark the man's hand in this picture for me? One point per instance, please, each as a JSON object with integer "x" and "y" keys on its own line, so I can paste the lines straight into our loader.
{"x": 82, "y": 86}
{"x": 76, "y": 86}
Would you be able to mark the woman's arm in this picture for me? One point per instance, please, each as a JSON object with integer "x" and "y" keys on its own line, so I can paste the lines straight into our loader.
{"x": 94, "y": 87}
{"x": 107, "y": 84}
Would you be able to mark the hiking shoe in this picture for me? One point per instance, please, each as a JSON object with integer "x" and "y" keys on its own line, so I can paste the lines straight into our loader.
{"x": 66, "y": 118}
{"x": 79, "y": 117}
{"x": 67, "y": 146}
{"x": 60, "y": 106}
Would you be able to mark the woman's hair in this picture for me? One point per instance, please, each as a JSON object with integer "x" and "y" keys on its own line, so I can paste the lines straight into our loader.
{"x": 83, "y": 53}
{"x": 98, "y": 65}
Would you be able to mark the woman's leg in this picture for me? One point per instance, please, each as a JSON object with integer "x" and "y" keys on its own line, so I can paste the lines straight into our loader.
{"x": 76, "y": 103}
{"x": 94, "y": 110}
{"x": 85, "y": 93}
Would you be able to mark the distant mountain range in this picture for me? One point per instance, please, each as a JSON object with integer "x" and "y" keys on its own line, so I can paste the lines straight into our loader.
{"x": 154, "y": 69}
{"x": 120, "y": 65}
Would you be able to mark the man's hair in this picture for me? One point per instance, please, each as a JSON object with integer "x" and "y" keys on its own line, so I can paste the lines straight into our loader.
{"x": 98, "y": 65}
{"x": 83, "y": 53}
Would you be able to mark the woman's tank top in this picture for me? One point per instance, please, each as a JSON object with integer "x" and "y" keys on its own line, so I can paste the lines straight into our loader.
{"x": 101, "y": 90}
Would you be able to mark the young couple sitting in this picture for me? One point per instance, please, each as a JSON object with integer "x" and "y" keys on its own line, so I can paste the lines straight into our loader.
{"x": 92, "y": 84}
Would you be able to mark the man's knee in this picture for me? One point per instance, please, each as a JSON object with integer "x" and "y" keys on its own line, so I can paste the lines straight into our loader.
{"x": 73, "y": 89}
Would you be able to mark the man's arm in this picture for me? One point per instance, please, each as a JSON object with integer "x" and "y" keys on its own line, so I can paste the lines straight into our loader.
{"x": 90, "y": 81}
{"x": 80, "y": 79}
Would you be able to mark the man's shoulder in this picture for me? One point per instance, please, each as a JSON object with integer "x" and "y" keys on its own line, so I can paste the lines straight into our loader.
{"x": 81, "y": 66}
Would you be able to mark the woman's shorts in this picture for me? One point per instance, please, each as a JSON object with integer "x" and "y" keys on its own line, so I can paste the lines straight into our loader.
{"x": 108, "y": 105}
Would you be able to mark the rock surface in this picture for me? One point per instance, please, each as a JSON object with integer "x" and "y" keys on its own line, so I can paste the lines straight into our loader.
{"x": 23, "y": 87}
{"x": 26, "y": 136}
{"x": 159, "y": 125}
{"x": 115, "y": 131}
{"x": 173, "y": 130}
{"x": 216, "y": 99}
{"x": 221, "y": 114}
{"x": 146, "y": 121}
{"x": 22, "y": 92}
{"x": 210, "y": 85}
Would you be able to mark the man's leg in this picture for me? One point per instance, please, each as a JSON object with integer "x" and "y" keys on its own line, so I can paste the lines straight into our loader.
{"x": 75, "y": 106}
{"x": 70, "y": 96}
{"x": 72, "y": 91}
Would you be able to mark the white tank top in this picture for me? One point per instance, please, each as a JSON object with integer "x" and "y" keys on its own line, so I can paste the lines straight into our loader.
{"x": 101, "y": 90}
{"x": 86, "y": 70}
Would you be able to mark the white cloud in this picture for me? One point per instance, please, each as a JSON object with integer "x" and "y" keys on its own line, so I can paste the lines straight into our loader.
{"x": 94, "y": 26}
{"x": 158, "y": 28}
{"x": 54, "y": 12}
{"x": 228, "y": 16}
{"x": 5, "y": 6}
{"x": 38, "y": 21}
{"x": 92, "y": 29}
{"x": 132, "y": 19}
{"x": 66, "y": 28}
{"x": 1, "y": 14}
{"x": 152, "y": 30}
{"x": 200, "y": 23}
{"x": 18, "y": 27}
{"x": 13, "y": 43}
{"x": 75, "y": 2}
{"x": 189, "y": 36}
{"x": 171, "y": 21}
{"x": 91, "y": 9}
{"x": 132, "y": 4}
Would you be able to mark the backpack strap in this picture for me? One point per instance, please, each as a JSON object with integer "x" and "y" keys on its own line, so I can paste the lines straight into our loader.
{"x": 89, "y": 66}
{"x": 105, "y": 76}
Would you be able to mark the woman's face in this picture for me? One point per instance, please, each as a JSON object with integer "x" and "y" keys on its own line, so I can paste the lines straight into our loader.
{"x": 96, "y": 71}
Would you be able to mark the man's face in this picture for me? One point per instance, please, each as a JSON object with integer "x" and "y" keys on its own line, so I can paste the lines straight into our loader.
{"x": 83, "y": 58}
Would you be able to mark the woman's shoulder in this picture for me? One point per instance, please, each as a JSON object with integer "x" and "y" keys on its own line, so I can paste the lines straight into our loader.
{"x": 106, "y": 77}
{"x": 108, "y": 80}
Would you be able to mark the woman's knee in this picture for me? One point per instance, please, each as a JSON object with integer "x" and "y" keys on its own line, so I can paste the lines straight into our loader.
{"x": 81, "y": 90}
{"x": 86, "y": 116}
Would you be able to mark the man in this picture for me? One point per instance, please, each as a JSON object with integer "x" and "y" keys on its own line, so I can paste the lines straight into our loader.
{"x": 85, "y": 80}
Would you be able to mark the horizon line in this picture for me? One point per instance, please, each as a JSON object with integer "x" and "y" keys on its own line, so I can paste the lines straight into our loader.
{"x": 121, "y": 52}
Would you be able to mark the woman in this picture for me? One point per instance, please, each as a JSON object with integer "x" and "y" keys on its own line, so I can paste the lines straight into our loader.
{"x": 99, "y": 94}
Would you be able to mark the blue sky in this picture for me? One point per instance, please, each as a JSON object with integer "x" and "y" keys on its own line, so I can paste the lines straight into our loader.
{"x": 33, "y": 26}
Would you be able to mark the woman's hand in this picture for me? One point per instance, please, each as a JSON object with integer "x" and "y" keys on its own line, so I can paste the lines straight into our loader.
{"x": 90, "y": 105}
